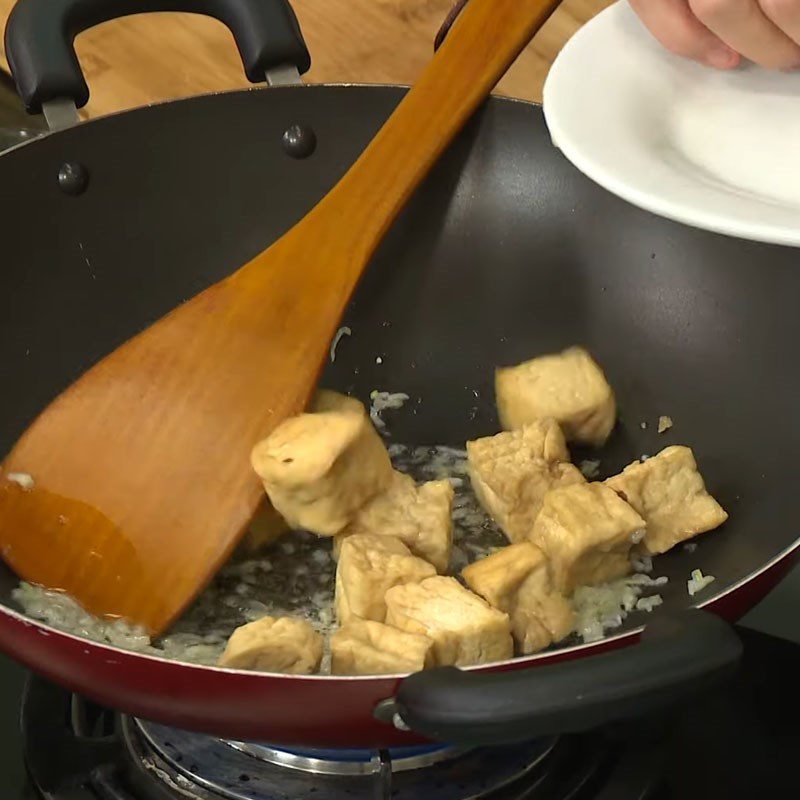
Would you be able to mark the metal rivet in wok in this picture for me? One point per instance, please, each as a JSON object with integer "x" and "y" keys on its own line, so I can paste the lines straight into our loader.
{"x": 386, "y": 710}
{"x": 299, "y": 141}
{"x": 400, "y": 723}
{"x": 73, "y": 178}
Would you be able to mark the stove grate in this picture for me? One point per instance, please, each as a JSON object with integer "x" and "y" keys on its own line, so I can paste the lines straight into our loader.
{"x": 76, "y": 750}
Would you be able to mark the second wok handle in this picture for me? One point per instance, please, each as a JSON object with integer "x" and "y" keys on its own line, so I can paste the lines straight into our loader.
{"x": 39, "y": 39}
{"x": 677, "y": 657}
{"x": 482, "y": 44}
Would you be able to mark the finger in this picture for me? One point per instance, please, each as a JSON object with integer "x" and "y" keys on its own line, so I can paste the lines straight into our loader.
{"x": 785, "y": 14}
{"x": 742, "y": 25}
{"x": 677, "y": 28}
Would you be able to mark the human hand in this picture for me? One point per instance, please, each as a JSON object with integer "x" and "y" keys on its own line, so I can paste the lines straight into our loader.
{"x": 719, "y": 32}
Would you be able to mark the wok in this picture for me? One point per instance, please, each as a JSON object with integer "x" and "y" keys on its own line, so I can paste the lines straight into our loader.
{"x": 505, "y": 252}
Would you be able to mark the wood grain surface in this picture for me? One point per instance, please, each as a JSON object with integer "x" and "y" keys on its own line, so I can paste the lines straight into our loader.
{"x": 150, "y": 58}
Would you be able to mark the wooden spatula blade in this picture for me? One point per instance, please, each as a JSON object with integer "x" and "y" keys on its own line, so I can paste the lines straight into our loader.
{"x": 140, "y": 470}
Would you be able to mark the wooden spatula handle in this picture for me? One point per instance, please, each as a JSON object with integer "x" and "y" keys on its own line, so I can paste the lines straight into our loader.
{"x": 483, "y": 42}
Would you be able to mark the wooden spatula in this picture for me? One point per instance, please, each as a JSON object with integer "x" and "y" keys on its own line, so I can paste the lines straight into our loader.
{"x": 133, "y": 487}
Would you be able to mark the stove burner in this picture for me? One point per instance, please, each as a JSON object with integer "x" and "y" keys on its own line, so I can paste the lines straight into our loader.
{"x": 264, "y": 772}
{"x": 348, "y": 762}
{"x": 78, "y": 751}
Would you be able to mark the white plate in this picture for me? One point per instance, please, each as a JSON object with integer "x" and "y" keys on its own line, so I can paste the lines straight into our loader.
{"x": 716, "y": 150}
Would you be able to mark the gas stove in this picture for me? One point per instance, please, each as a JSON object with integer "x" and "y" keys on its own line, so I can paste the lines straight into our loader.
{"x": 734, "y": 742}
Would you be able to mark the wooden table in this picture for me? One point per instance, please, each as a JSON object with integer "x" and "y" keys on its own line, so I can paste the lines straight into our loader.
{"x": 148, "y": 58}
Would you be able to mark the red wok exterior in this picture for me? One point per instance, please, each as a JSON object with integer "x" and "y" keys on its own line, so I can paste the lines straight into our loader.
{"x": 316, "y": 712}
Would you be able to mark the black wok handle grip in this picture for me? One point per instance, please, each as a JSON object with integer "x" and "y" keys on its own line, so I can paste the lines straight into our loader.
{"x": 40, "y": 33}
{"x": 677, "y": 656}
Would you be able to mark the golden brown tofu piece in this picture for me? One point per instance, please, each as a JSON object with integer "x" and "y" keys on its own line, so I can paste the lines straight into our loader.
{"x": 465, "y": 629}
{"x": 368, "y": 566}
{"x": 319, "y": 468}
{"x": 366, "y": 647}
{"x": 266, "y": 527}
{"x": 541, "y": 615}
{"x": 586, "y": 531}
{"x": 419, "y": 516}
{"x": 513, "y": 471}
{"x": 274, "y": 644}
{"x": 516, "y": 580}
{"x": 568, "y": 386}
{"x": 539, "y": 438}
{"x": 669, "y": 493}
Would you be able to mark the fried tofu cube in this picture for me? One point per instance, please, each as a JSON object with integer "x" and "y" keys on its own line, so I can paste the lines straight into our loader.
{"x": 368, "y": 566}
{"x": 567, "y": 386}
{"x": 539, "y": 438}
{"x": 516, "y": 580}
{"x": 266, "y": 527}
{"x": 513, "y": 471}
{"x": 419, "y": 516}
{"x": 366, "y": 647}
{"x": 319, "y": 468}
{"x": 541, "y": 614}
{"x": 586, "y": 531}
{"x": 274, "y": 644}
{"x": 668, "y": 492}
{"x": 465, "y": 629}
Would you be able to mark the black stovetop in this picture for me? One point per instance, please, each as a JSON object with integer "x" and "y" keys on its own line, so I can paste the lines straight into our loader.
{"x": 12, "y": 680}
{"x": 739, "y": 741}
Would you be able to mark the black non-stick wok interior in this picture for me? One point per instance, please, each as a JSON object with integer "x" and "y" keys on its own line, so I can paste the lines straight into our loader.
{"x": 507, "y": 252}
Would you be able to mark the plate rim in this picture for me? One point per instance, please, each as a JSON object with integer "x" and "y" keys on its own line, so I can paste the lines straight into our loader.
{"x": 665, "y": 206}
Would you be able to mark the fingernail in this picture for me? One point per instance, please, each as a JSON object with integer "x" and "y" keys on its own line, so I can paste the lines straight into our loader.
{"x": 722, "y": 58}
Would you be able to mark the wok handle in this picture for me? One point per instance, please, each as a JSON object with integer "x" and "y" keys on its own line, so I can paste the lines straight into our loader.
{"x": 40, "y": 34}
{"x": 677, "y": 656}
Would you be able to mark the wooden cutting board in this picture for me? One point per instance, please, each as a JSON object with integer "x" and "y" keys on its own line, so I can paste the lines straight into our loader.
{"x": 155, "y": 57}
